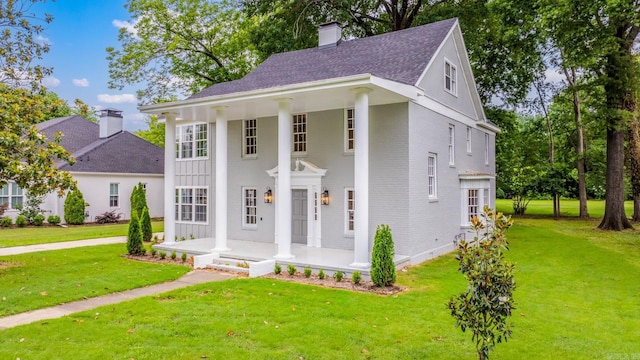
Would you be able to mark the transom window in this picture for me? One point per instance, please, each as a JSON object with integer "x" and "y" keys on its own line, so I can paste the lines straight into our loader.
{"x": 452, "y": 143}
{"x": 250, "y": 131}
{"x": 468, "y": 140}
{"x": 300, "y": 133}
{"x": 349, "y": 207}
{"x": 450, "y": 78}
{"x": 12, "y": 194}
{"x": 432, "y": 185}
{"x": 114, "y": 195}
{"x": 349, "y": 130}
{"x": 191, "y": 204}
{"x": 250, "y": 206}
{"x": 191, "y": 141}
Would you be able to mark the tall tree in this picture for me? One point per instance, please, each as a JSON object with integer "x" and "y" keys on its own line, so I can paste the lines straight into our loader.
{"x": 154, "y": 133}
{"x": 179, "y": 47}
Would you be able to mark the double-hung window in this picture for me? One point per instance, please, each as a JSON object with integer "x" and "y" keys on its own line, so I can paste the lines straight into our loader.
{"x": 486, "y": 149}
{"x": 349, "y": 130}
{"x": 249, "y": 207}
{"x": 450, "y": 78}
{"x": 472, "y": 203}
{"x": 452, "y": 145}
{"x": 299, "y": 130}
{"x": 250, "y": 138}
{"x": 12, "y": 194}
{"x": 432, "y": 180}
{"x": 191, "y": 204}
{"x": 475, "y": 196}
{"x": 349, "y": 209}
{"x": 469, "y": 140}
{"x": 192, "y": 141}
{"x": 114, "y": 195}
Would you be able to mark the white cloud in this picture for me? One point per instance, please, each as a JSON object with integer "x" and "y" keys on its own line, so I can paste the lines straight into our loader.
{"x": 125, "y": 24}
{"x": 42, "y": 40}
{"x": 51, "y": 81}
{"x": 80, "y": 82}
{"x": 135, "y": 122}
{"x": 117, "y": 99}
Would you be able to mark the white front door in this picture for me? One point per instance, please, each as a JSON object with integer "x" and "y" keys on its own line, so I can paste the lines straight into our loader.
{"x": 299, "y": 216}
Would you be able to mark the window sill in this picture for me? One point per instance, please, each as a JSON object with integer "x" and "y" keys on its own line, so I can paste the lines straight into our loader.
{"x": 349, "y": 235}
{"x": 433, "y": 200}
{"x": 249, "y": 227}
{"x": 249, "y": 157}
{"x": 298, "y": 154}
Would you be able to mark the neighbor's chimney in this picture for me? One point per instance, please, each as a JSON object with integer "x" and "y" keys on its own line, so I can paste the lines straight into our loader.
{"x": 329, "y": 34}
{"x": 110, "y": 122}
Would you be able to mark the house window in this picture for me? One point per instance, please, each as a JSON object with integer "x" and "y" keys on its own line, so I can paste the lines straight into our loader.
{"x": 472, "y": 203}
{"x": 450, "y": 78}
{"x": 486, "y": 201}
{"x": 486, "y": 149}
{"x": 349, "y": 130}
{"x": 250, "y": 208}
{"x": 349, "y": 207}
{"x": 452, "y": 141}
{"x": 114, "y": 196}
{"x": 300, "y": 133}
{"x": 12, "y": 194}
{"x": 475, "y": 196}
{"x": 191, "y": 204}
{"x": 468, "y": 140}
{"x": 191, "y": 141}
{"x": 250, "y": 131}
{"x": 432, "y": 184}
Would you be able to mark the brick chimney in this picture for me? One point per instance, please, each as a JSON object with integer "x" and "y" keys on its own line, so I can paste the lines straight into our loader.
{"x": 329, "y": 34}
{"x": 110, "y": 122}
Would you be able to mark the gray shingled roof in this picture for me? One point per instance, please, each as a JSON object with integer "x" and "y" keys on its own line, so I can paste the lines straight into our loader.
{"x": 120, "y": 153}
{"x": 400, "y": 56}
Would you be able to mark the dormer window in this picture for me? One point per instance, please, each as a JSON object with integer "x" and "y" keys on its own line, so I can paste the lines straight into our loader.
{"x": 450, "y": 78}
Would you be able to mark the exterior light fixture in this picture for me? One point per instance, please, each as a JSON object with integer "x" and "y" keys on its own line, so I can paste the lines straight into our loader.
{"x": 268, "y": 196}
{"x": 324, "y": 197}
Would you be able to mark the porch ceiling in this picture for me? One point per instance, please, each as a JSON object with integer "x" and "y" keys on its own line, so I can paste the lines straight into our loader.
{"x": 308, "y": 97}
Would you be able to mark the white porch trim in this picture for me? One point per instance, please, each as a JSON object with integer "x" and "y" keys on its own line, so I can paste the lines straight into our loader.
{"x": 221, "y": 179}
{"x": 169, "y": 178}
{"x": 283, "y": 188}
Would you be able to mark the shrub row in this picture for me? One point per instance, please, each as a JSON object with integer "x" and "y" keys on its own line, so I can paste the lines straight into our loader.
{"x": 356, "y": 277}
{"x": 21, "y": 220}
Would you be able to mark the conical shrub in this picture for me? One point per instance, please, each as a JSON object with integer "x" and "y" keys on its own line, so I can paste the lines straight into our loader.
{"x": 134, "y": 239}
{"x": 383, "y": 268}
{"x": 145, "y": 225}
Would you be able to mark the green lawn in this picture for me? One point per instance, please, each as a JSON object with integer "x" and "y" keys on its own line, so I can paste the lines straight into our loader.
{"x": 49, "y": 234}
{"x": 36, "y": 280}
{"x": 568, "y": 207}
{"x": 576, "y": 299}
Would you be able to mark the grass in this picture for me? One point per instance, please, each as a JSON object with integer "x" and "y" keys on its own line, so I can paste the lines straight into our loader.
{"x": 36, "y": 280}
{"x": 42, "y": 235}
{"x": 576, "y": 299}
{"x": 568, "y": 207}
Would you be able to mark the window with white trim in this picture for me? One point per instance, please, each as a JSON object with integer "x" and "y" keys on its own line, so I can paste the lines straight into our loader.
{"x": 432, "y": 180}
{"x": 349, "y": 130}
{"x": 249, "y": 206}
{"x": 469, "y": 140}
{"x": 475, "y": 196}
{"x": 486, "y": 200}
{"x": 472, "y": 203}
{"x": 250, "y": 138}
{"x": 191, "y": 204}
{"x": 450, "y": 78}
{"x": 12, "y": 194}
{"x": 452, "y": 143}
{"x": 114, "y": 195}
{"x": 299, "y": 130}
{"x": 486, "y": 149}
{"x": 192, "y": 141}
{"x": 349, "y": 210}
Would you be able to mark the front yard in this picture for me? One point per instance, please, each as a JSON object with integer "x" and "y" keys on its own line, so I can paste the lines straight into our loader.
{"x": 576, "y": 299}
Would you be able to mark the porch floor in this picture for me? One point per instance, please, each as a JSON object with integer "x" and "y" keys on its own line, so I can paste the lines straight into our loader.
{"x": 317, "y": 258}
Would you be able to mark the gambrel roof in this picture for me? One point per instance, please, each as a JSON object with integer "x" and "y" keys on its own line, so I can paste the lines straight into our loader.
{"x": 122, "y": 152}
{"x": 399, "y": 56}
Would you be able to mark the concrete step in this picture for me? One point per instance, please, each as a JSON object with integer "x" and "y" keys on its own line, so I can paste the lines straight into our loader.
{"x": 230, "y": 264}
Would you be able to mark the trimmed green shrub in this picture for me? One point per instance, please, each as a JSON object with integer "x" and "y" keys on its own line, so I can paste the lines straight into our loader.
{"x": 138, "y": 200}
{"x": 145, "y": 225}
{"x": 53, "y": 219}
{"x": 356, "y": 277}
{"x": 321, "y": 274}
{"x": 21, "y": 220}
{"x": 154, "y": 251}
{"x": 134, "y": 240}
{"x": 31, "y": 208}
{"x": 38, "y": 220}
{"x": 163, "y": 255}
{"x": 6, "y": 221}
{"x": 383, "y": 268}
{"x": 277, "y": 269}
{"x": 291, "y": 269}
{"x": 307, "y": 272}
{"x": 74, "y": 208}
{"x": 338, "y": 275}
{"x": 184, "y": 257}
{"x": 173, "y": 255}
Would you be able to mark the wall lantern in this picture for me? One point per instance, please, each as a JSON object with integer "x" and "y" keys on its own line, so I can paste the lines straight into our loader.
{"x": 324, "y": 198}
{"x": 268, "y": 196}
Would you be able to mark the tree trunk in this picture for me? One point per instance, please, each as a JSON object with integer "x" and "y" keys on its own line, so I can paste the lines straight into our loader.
{"x": 633, "y": 162}
{"x": 614, "y": 216}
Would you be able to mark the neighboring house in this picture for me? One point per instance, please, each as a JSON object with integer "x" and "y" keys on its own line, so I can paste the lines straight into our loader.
{"x": 109, "y": 163}
{"x": 319, "y": 146}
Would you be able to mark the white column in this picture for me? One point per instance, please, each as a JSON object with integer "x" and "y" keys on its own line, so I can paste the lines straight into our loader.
{"x": 169, "y": 178}
{"x": 283, "y": 191}
{"x": 361, "y": 180}
{"x": 221, "y": 179}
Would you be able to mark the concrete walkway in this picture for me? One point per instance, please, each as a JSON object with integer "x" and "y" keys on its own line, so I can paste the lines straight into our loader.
{"x": 191, "y": 278}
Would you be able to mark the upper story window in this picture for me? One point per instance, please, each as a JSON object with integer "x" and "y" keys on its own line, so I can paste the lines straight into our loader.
{"x": 486, "y": 149}
{"x": 249, "y": 206}
{"x": 12, "y": 194}
{"x": 114, "y": 195}
{"x": 468, "y": 140}
{"x": 349, "y": 130}
{"x": 432, "y": 184}
{"x": 191, "y": 204}
{"x": 191, "y": 141}
{"x": 452, "y": 143}
{"x": 299, "y": 130}
{"x": 450, "y": 78}
{"x": 250, "y": 138}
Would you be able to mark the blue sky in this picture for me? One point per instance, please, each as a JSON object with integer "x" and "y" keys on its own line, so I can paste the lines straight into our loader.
{"x": 79, "y": 34}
